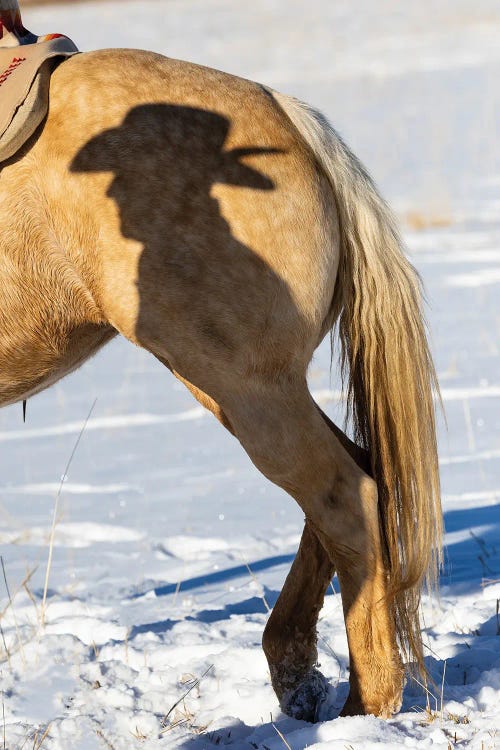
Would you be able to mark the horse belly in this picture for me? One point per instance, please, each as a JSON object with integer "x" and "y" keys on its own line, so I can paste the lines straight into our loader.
{"x": 29, "y": 364}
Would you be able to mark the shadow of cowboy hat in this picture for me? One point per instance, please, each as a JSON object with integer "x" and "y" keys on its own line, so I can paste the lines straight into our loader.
{"x": 173, "y": 135}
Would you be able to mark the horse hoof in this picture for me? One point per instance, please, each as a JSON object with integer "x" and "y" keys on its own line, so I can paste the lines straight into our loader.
{"x": 384, "y": 710}
{"x": 309, "y": 701}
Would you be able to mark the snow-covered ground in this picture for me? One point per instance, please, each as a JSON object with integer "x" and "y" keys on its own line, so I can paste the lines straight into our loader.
{"x": 169, "y": 546}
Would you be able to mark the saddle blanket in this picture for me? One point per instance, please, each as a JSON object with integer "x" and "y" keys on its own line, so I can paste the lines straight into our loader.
{"x": 25, "y": 72}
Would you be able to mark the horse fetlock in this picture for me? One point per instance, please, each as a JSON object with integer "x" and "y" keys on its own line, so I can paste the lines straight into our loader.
{"x": 376, "y": 670}
{"x": 290, "y": 658}
{"x": 380, "y": 694}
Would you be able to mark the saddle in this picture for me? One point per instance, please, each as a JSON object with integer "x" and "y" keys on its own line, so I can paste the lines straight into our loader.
{"x": 25, "y": 72}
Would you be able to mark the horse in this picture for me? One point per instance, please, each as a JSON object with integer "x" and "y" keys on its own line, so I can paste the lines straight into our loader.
{"x": 227, "y": 229}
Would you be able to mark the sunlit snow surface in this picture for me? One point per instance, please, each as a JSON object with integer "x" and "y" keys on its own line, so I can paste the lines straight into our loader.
{"x": 161, "y": 511}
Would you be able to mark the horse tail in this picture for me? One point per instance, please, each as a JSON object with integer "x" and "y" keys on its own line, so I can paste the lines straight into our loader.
{"x": 387, "y": 369}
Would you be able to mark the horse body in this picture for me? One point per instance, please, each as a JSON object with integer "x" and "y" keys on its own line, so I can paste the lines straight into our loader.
{"x": 204, "y": 218}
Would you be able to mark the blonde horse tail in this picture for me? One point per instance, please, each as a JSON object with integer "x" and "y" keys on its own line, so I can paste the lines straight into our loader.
{"x": 388, "y": 370}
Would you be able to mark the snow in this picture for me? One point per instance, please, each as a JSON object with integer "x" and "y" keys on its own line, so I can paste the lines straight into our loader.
{"x": 169, "y": 547}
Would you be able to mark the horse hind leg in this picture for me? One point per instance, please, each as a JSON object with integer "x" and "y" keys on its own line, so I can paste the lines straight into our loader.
{"x": 290, "y": 637}
{"x": 296, "y": 446}
{"x": 286, "y": 437}
{"x": 203, "y": 398}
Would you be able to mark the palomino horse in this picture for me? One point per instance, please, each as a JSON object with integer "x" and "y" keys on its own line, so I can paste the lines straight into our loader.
{"x": 226, "y": 228}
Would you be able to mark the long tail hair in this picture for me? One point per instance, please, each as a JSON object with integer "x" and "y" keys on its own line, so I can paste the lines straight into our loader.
{"x": 387, "y": 369}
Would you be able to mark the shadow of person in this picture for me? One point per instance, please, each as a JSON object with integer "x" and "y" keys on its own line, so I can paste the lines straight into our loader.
{"x": 166, "y": 160}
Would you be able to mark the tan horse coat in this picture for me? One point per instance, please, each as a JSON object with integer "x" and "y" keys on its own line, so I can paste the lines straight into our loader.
{"x": 224, "y": 228}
